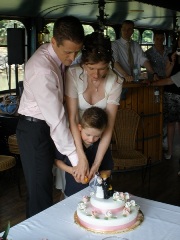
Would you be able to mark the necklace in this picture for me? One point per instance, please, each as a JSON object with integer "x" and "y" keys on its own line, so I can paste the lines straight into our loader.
{"x": 96, "y": 84}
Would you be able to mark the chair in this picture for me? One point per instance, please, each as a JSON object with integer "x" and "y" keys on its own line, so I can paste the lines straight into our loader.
{"x": 14, "y": 150}
{"x": 125, "y": 155}
{"x": 7, "y": 163}
{"x": 13, "y": 145}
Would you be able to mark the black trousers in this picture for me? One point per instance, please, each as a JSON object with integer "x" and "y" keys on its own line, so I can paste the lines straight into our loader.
{"x": 37, "y": 156}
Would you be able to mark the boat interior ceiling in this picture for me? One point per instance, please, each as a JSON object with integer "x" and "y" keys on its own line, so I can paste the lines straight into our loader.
{"x": 151, "y": 14}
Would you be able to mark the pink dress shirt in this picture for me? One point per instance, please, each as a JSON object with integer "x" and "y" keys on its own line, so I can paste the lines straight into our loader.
{"x": 42, "y": 98}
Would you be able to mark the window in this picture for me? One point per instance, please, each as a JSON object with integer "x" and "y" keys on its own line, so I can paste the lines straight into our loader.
{"x": 7, "y": 73}
{"x": 147, "y": 39}
{"x": 136, "y": 36}
{"x": 88, "y": 29}
{"x": 50, "y": 28}
{"x": 110, "y": 32}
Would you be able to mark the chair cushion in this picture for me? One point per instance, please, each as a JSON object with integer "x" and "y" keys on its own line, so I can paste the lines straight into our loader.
{"x": 13, "y": 145}
{"x": 128, "y": 159}
{"x": 6, "y": 162}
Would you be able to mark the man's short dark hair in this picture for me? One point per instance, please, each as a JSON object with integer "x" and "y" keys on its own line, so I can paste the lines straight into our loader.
{"x": 94, "y": 117}
{"x": 68, "y": 28}
{"x": 127, "y": 22}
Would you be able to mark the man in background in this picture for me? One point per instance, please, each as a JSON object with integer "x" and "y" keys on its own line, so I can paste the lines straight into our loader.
{"x": 128, "y": 53}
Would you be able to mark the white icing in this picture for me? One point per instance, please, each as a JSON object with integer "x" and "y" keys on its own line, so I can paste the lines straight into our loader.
{"x": 108, "y": 212}
{"x": 106, "y": 204}
{"x": 117, "y": 220}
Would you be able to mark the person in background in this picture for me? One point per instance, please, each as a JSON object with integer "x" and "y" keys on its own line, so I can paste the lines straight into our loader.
{"x": 158, "y": 56}
{"x": 172, "y": 113}
{"x": 43, "y": 122}
{"x": 91, "y": 128}
{"x": 120, "y": 54}
{"x": 174, "y": 79}
{"x": 172, "y": 97}
{"x": 93, "y": 83}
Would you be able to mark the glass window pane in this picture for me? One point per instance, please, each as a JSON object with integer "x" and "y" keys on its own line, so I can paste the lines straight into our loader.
{"x": 88, "y": 29}
{"x": 110, "y": 32}
{"x": 147, "y": 37}
{"x": 4, "y": 24}
{"x": 50, "y": 28}
{"x": 136, "y": 35}
{"x": 7, "y": 73}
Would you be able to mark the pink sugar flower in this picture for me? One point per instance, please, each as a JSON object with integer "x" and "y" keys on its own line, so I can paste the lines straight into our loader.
{"x": 82, "y": 206}
{"x": 85, "y": 199}
{"x": 116, "y": 196}
{"x": 126, "y": 211}
{"x": 94, "y": 213}
{"x": 121, "y": 195}
{"x": 108, "y": 214}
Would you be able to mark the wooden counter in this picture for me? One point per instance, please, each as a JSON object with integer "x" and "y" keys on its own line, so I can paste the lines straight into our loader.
{"x": 140, "y": 98}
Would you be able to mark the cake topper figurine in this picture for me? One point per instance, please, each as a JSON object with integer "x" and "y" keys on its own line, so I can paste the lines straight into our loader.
{"x": 101, "y": 186}
{"x": 107, "y": 187}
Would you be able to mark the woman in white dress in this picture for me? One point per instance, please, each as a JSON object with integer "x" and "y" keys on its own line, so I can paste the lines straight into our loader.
{"x": 93, "y": 83}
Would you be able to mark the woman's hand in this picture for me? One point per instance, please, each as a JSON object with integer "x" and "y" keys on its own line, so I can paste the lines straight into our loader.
{"x": 94, "y": 169}
{"x": 81, "y": 171}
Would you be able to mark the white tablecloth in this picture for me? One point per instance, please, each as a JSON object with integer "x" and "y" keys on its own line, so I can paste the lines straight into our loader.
{"x": 161, "y": 222}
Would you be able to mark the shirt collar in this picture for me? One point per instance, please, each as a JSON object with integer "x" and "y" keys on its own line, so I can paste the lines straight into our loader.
{"x": 54, "y": 55}
{"x": 124, "y": 41}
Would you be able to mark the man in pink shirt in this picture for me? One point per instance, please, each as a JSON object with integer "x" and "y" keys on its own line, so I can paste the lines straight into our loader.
{"x": 43, "y": 122}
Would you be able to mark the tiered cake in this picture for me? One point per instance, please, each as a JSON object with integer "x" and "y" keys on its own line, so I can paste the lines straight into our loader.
{"x": 117, "y": 213}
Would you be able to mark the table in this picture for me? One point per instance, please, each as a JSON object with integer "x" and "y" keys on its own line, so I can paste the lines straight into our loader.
{"x": 161, "y": 222}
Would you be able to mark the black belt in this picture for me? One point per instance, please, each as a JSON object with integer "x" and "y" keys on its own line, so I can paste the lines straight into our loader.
{"x": 31, "y": 119}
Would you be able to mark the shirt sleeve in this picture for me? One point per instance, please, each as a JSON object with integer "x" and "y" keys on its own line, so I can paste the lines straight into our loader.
{"x": 48, "y": 93}
{"x": 114, "y": 46}
{"x": 71, "y": 89}
{"x": 115, "y": 93}
{"x": 176, "y": 79}
{"x": 141, "y": 55}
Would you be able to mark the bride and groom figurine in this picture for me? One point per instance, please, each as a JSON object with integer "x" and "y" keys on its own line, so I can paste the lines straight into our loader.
{"x": 103, "y": 187}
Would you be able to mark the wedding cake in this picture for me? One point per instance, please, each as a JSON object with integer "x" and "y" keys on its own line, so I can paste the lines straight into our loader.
{"x": 113, "y": 212}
